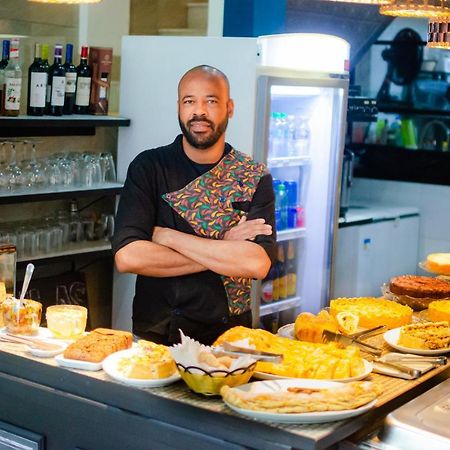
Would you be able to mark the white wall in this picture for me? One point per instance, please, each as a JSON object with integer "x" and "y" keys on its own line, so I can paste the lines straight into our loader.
{"x": 432, "y": 201}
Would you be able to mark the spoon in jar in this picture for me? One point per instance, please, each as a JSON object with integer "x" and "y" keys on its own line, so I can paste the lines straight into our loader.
{"x": 26, "y": 281}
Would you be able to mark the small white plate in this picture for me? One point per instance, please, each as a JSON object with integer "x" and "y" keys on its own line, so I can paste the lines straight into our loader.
{"x": 391, "y": 337}
{"x": 286, "y": 331}
{"x": 76, "y": 364}
{"x": 47, "y": 353}
{"x": 110, "y": 367}
{"x": 42, "y": 333}
{"x": 269, "y": 376}
{"x": 312, "y": 417}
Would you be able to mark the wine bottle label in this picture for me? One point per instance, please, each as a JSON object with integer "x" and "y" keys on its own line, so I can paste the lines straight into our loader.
{"x": 58, "y": 90}
{"x": 71, "y": 82}
{"x": 12, "y": 93}
{"x": 38, "y": 87}
{"x": 83, "y": 91}
{"x": 48, "y": 93}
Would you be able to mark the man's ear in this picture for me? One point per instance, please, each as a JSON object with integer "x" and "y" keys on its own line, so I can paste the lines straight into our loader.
{"x": 230, "y": 108}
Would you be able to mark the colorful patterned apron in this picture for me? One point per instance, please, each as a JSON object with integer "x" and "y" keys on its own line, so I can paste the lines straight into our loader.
{"x": 206, "y": 203}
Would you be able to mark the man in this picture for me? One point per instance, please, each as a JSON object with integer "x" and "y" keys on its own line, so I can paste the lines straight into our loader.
{"x": 195, "y": 222}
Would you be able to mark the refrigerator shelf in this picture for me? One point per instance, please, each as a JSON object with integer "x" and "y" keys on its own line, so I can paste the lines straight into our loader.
{"x": 280, "y": 305}
{"x": 288, "y": 161}
{"x": 291, "y": 233}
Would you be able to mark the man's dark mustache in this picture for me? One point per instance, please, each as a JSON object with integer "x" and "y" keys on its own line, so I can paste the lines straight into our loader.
{"x": 200, "y": 119}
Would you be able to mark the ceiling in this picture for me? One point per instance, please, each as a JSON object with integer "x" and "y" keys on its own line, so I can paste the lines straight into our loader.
{"x": 358, "y": 24}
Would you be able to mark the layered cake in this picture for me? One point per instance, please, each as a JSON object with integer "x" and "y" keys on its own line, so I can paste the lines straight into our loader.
{"x": 439, "y": 263}
{"x": 373, "y": 311}
{"x": 418, "y": 286}
{"x": 439, "y": 310}
{"x": 425, "y": 336}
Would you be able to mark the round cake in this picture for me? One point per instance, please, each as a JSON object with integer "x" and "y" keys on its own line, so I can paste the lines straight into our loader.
{"x": 439, "y": 263}
{"x": 373, "y": 311}
{"x": 439, "y": 311}
{"x": 418, "y": 286}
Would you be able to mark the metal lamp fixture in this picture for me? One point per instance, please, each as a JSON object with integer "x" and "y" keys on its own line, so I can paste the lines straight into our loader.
{"x": 416, "y": 8}
{"x": 66, "y": 2}
{"x": 439, "y": 33}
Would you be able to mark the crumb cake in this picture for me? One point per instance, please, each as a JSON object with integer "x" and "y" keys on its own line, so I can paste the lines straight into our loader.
{"x": 373, "y": 311}
{"x": 439, "y": 263}
{"x": 418, "y": 286}
{"x": 425, "y": 336}
{"x": 439, "y": 310}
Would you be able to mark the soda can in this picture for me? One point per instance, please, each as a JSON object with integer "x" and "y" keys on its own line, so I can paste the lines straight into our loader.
{"x": 291, "y": 188}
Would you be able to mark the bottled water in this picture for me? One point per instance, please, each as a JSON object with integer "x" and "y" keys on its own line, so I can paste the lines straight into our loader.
{"x": 301, "y": 135}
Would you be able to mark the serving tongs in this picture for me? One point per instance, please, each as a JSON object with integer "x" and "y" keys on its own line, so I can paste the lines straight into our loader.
{"x": 329, "y": 336}
{"x": 368, "y": 333}
{"x": 434, "y": 360}
{"x": 233, "y": 350}
{"x": 31, "y": 342}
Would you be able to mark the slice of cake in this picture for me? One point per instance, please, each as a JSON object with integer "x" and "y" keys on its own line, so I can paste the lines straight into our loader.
{"x": 425, "y": 336}
{"x": 439, "y": 263}
{"x": 373, "y": 311}
{"x": 439, "y": 310}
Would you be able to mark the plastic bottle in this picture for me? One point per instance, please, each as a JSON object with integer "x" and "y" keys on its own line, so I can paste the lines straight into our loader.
{"x": 284, "y": 133}
{"x": 281, "y": 207}
{"x": 276, "y": 135}
{"x": 282, "y": 273}
{"x": 291, "y": 189}
{"x": 291, "y": 270}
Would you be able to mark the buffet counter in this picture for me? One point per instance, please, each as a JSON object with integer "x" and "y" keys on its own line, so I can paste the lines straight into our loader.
{"x": 67, "y": 409}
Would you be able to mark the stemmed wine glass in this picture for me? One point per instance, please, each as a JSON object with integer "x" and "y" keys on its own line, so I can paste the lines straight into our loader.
{"x": 13, "y": 171}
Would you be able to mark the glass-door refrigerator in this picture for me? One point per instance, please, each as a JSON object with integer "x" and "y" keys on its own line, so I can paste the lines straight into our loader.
{"x": 301, "y": 102}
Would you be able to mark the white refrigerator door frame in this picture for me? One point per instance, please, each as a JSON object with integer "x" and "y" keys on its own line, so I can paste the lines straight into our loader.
{"x": 260, "y": 153}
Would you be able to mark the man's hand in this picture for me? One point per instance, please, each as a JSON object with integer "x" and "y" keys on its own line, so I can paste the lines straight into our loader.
{"x": 248, "y": 230}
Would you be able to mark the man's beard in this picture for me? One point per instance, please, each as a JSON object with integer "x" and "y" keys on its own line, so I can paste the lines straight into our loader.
{"x": 203, "y": 141}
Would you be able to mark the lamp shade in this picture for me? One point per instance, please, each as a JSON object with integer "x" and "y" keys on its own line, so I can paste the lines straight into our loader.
{"x": 439, "y": 33}
{"x": 416, "y": 8}
{"x": 66, "y": 2}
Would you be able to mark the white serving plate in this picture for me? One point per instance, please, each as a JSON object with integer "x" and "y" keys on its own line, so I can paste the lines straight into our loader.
{"x": 391, "y": 337}
{"x": 47, "y": 353}
{"x": 76, "y": 364}
{"x": 268, "y": 376}
{"x": 286, "y": 331}
{"x": 42, "y": 333}
{"x": 110, "y": 367}
{"x": 312, "y": 417}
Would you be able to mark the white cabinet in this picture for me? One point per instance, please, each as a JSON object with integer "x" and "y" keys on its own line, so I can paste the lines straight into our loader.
{"x": 369, "y": 254}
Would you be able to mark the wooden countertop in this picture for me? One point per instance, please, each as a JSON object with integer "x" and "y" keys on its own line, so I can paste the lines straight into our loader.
{"x": 395, "y": 391}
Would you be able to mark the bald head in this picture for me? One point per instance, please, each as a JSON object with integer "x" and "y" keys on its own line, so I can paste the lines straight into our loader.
{"x": 207, "y": 72}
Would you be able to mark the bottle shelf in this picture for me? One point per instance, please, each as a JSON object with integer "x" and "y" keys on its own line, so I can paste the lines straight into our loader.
{"x": 70, "y": 125}
{"x": 288, "y": 161}
{"x": 73, "y": 248}
{"x": 280, "y": 305}
{"x": 291, "y": 233}
{"x": 25, "y": 194}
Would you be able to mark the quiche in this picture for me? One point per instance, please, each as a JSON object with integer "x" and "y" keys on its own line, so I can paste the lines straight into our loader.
{"x": 426, "y": 336}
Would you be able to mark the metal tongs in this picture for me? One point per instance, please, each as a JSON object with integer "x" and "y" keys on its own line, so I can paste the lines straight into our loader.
{"x": 233, "y": 350}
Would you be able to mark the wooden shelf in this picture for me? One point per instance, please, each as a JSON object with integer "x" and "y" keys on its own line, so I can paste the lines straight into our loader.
{"x": 71, "y": 125}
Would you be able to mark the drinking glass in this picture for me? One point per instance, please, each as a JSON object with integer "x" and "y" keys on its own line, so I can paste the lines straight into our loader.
{"x": 4, "y": 182}
{"x": 108, "y": 168}
{"x": 13, "y": 171}
{"x": 91, "y": 172}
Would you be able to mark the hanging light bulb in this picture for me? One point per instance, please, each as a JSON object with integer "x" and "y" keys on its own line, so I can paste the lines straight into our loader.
{"x": 416, "y": 8}
{"x": 66, "y": 2}
{"x": 367, "y": 2}
{"x": 439, "y": 33}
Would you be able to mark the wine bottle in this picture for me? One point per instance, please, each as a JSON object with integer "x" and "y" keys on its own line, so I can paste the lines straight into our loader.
{"x": 37, "y": 85}
{"x": 12, "y": 86}
{"x": 57, "y": 80}
{"x": 5, "y": 54}
{"x": 84, "y": 78}
{"x": 71, "y": 81}
{"x": 46, "y": 66}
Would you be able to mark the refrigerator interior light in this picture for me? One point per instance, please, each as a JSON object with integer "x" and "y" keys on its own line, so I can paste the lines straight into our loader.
{"x": 302, "y": 91}
{"x": 306, "y": 52}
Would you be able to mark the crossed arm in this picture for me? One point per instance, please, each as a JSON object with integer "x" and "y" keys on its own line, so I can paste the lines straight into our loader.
{"x": 173, "y": 253}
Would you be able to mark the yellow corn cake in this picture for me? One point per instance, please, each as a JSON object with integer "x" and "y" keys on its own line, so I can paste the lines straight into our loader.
{"x": 373, "y": 311}
{"x": 439, "y": 310}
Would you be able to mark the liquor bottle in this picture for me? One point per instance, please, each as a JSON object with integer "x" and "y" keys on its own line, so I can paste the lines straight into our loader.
{"x": 57, "y": 81}
{"x": 84, "y": 78}
{"x": 291, "y": 270}
{"x": 12, "y": 86}
{"x": 282, "y": 273}
{"x": 5, "y": 54}
{"x": 46, "y": 66}
{"x": 37, "y": 85}
{"x": 71, "y": 81}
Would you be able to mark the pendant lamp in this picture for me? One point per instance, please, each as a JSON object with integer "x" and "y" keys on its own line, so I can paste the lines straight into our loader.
{"x": 439, "y": 33}
{"x": 416, "y": 8}
{"x": 66, "y": 2}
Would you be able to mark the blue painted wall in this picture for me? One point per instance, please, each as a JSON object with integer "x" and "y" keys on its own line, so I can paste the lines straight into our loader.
{"x": 251, "y": 18}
